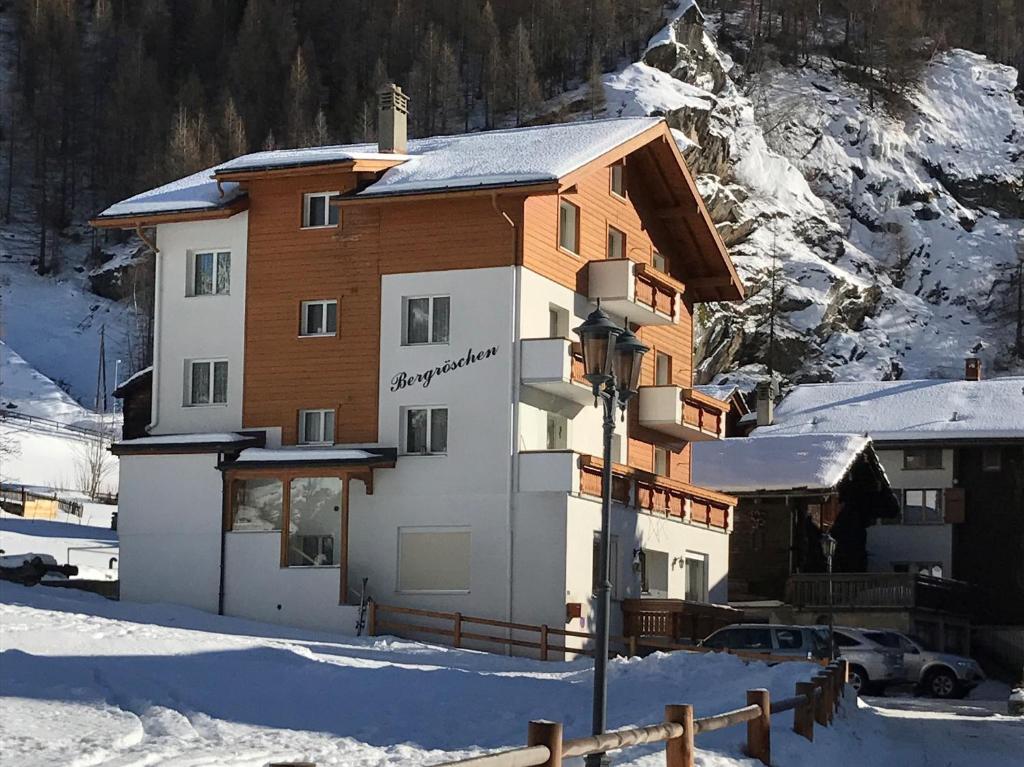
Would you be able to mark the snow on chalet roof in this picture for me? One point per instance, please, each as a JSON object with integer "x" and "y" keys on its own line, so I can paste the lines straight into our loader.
{"x": 197, "y": 192}
{"x": 718, "y": 391}
{"x": 904, "y": 410}
{"x": 467, "y": 161}
{"x": 775, "y": 463}
{"x": 303, "y": 454}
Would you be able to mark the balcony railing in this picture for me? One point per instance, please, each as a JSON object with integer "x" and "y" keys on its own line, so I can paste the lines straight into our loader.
{"x": 878, "y": 591}
{"x": 675, "y": 620}
{"x": 634, "y": 290}
{"x": 682, "y": 413}
{"x": 555, "y": 365}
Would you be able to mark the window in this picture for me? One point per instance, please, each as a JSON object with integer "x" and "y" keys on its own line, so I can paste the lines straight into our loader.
{"x": 558, "y": 322}
{"x": 922, "y": 458}
{"x": 661, "y": 461}
{"x": 557, "y": 431}
{"x": 316, "y": 427}
{"x": 616, "y": 243}
{"x": 613, "y": 563}
{"x": 427, "y": 320}
{"x": 206, "y": 382}
{"x": 317, "y": 210}
{"x": 696, "y": 571}
{"x": 654, "y": 573}
{"x": 433, "y": 559}
{"x": 319, "y": 318}
{"x": 618, "y": 180}
{"x": 658, "y": 262}
{"x": 922, "y": 507}
{"x": 662, "y": 369}
{"x": 568, "y": 226}
{"x": 753, "y": 639}
{"x": 314, "y": 522}
{"x": 789, "y": 639}
{"x": 991, "y": 459}
{"x": 933, "y": 569}
{"x": 257, "y": 505}
{"x": 845, "y": 640}
{"x": 426, "y": 430}
{"x": 209, "y": 273}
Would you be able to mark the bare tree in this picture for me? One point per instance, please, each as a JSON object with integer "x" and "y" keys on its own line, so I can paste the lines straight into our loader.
{"x": 93, "y": 465}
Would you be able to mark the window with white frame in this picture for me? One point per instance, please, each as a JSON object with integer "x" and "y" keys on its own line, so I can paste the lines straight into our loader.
{"x": 206, "y": 382}
{"x": 425, "y": 430}
{"x": 922, "y": 507}
{"x": 568, "y": 226}
{"x": 319, "y": 318}
{"x": 661, "y": 461}
{"x": 427, "y": 320}
{"x": 434, "y": 559}
{"x": 613, "y": 563}
{"x": 209, "y": 273}
{"x": 618, "y": 180}
{"x": 316, "y": 427}
{"x": 616, "y": 243}
{"x": 696, "y": 576}
{"x": 557, "y": 431}
{"x": 658, "y": 262}
{"x": 318, "y": 211}
{"x": 662, "y": 369}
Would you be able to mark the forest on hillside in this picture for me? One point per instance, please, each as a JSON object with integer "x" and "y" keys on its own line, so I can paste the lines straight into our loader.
{"x": 108, "y": 97}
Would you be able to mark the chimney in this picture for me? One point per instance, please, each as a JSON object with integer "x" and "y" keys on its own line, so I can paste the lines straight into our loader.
{"x": 972, "y": 369}
{"x": 392, "y": 116}
{"x": 765, "y": 403}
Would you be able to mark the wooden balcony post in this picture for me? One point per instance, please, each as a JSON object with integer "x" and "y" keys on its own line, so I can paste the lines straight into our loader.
{"x": 457, "y": 630}
{"x": 631, "y": 640}
{"x": 844, "y": 676}
{"x": 544, "y": 733}
{"x": 803, "y": 715}
{"x": 544, "y": 642}
{"x": 837, "y": 687}
{"x": 759, "y": 730}
{"x": 821, "y": 703}
{"x": 679, "y": 751}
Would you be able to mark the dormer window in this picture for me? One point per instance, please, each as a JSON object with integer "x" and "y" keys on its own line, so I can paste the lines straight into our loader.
{"x": 618, "y": 180}
{"x": 317, "y": 210}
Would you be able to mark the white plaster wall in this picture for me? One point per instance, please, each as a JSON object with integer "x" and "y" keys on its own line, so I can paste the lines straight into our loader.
{"x": 910, "y": 543}
{"x": 540, "y": 573}
{"x": 892, "y": 461}
{"x": 169, "y": 525}
{"x": 256, "y": 588}
{"x": 468, "y": 487}
{"x": 198, "y": 327}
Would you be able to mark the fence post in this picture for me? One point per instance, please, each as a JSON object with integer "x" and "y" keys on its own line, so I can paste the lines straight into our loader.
{"x": 759, "y": 730}
{"x": 821, "y": 703}
{"x": 836, "y": 685}
{"x": 371, "y": 618}
{"x": 679, "y": 751}
{"x": 457, "y": 630}
{"x": 544, "y": 642}
{"x": 631, "y": 641}
{"x": 545, "y": 733}
{"x": 803, "y": 715}
{"x": 844, "y": 677}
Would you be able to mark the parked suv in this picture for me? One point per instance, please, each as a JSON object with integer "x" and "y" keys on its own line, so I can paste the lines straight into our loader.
{"x": 939, "y": 674}
{"x": 873, "y": 665}
{"x": 771, "y": 639}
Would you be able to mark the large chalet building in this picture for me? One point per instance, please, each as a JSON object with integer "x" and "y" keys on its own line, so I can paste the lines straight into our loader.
{"x": 364, "y": 368}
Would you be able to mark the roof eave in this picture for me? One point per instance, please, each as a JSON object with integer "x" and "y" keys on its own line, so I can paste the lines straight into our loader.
{"x": 179, "y": 215}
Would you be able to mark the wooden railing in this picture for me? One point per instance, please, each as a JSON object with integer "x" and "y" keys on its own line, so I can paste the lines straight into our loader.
{"x": 704, "y": 412}
{"x": 675, "y": 620}
{"x": 878, "y": 591}
{"x": 654, "y": 493}
{"x": 815, "y": 702}
{"x": 656, "y": 290}
{"x": 577, "y": 370}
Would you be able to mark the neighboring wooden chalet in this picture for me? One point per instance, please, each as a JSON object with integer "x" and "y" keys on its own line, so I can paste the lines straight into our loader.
{"x": 136, "y": 395}
{"x": 735, "y": 421}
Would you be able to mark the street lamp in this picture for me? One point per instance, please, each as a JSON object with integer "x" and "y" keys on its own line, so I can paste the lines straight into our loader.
{"x": 828, "y": 548}
{"x": 612, "y": 358}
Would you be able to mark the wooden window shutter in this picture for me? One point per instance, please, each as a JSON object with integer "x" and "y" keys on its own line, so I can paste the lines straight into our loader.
{"x": 953, "y": 504}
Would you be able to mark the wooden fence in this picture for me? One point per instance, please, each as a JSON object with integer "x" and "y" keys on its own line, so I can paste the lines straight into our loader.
{"x": 544, "y": 639}
{"x": 814, "y": 702}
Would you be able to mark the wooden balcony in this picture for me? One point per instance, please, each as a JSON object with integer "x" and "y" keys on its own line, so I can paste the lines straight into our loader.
{"x": 871, "y": 592}
{"x": 674, "y": 621}
{"x": 635, "y": 291}
{"x": 656, "y": 494}
{"x": 555, "y": 365}
{"x": 682, "y": 413}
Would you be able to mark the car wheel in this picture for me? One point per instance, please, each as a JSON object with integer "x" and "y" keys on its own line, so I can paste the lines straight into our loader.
{"x": 941, "y": 684}
{"x": 859, "y": 680}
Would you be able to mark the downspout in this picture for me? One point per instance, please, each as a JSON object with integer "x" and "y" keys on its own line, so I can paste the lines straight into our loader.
{"x": 157, "y": 261}
{"x": 513, "y": 475}
{"x": 224, "y": 512}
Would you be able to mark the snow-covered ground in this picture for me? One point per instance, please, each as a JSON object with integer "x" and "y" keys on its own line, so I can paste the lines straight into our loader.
{"x": 153, "y": 684}
{"x": 88, "y": 543}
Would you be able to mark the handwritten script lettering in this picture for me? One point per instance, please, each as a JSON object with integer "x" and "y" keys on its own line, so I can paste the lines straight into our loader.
{"x": 404, "y": 380}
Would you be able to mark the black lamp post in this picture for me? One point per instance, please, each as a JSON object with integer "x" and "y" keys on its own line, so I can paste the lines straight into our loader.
{"x": 612, "y": 359}
{"x": 828, "y": 548}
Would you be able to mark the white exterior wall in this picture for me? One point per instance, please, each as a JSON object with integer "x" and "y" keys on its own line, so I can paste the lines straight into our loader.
{"x": 198, "y": 327}
{"x": 912, "y": 543}
{"x": 169, "y": 525}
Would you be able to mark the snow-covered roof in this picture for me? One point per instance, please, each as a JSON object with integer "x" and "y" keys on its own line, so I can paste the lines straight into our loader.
{"x": 904, "y": 410}
{"x": 198, "y": 192}
{"x": 750, "y": 464}
{"x": 485, "y": 159}
{"x": 196, "y": 439}
{"x": 303, "y": 454}
{"x": 719, "y": 391}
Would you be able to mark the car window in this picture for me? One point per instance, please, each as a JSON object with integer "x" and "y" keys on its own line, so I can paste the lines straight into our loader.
{"x": 907, "y": 646}
{"x": 754, "y": 639}
{"x": 788, "y": 639}
{"x": 845, "y": 640}
{"x": 820, "y": 640}
{"x": 884, "y": 638}
{"x": 721, "y": 639}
